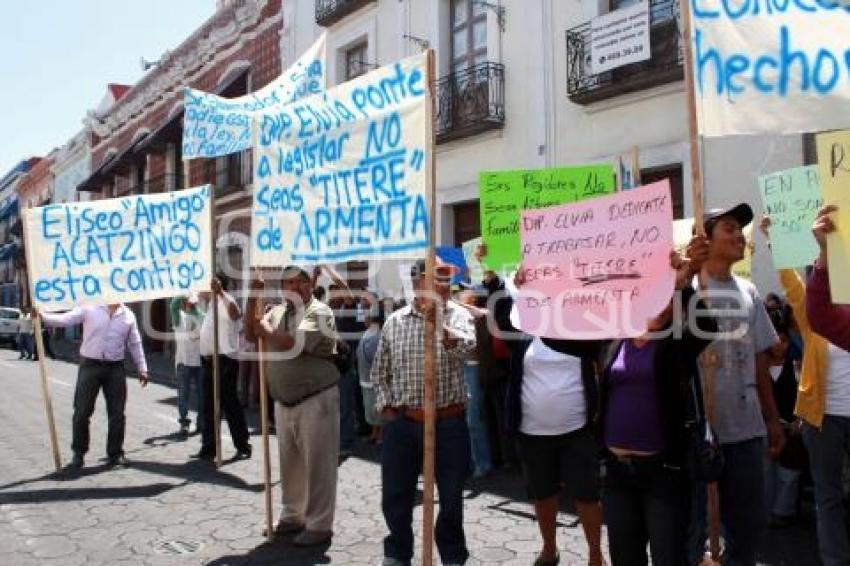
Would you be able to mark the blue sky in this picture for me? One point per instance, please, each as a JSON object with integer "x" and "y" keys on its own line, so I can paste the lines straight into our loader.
{"x": 57, "y": 56}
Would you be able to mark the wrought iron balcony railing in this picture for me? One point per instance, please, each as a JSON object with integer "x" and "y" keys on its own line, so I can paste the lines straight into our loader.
{"x": 328, "y": 12}
{"x": 665, "y": 65}
{"x": 470, "y": 101}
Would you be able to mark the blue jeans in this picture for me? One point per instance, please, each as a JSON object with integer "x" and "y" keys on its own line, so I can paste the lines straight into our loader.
{"x": 476, "y": 423}
{"x": 742, "y": 506}
{"x": 401, "y": 464}
{"x": 186, "y": 376}
{"x": 347, "y": 383}
{"x": 782, "y": 486}
{"x": 827, "y": 448}
{"x": 25, "y": 345}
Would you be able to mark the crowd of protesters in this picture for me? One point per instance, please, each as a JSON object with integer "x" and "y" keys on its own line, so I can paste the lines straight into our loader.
{"x": 748, "y": 395}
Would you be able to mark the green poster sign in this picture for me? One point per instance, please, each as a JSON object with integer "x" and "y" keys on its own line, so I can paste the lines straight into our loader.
{"x": 505, "y": 194}
{"x": 792, "y": 199}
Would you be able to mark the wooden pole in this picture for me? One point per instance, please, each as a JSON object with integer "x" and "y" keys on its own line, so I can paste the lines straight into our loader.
{"x": 429, "y": 437}
{"x": 635, "y": 167}
{"x": 693, "y": 124}
{"x": 39, "y": 350}
{"x": 264, "y": 426}
{"x": 709, "y": 360}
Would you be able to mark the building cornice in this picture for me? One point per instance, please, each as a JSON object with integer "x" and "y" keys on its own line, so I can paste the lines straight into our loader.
{"x": 183, "y": 66}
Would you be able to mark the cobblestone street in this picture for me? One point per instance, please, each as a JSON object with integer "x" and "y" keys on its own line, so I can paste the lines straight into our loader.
{"x": 168, "y": 509}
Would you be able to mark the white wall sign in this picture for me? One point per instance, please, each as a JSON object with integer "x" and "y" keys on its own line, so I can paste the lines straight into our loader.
{"x": 619, "y": 38}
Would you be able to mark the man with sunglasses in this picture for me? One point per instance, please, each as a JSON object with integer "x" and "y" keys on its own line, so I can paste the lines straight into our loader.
{"x": 398, "y": 374}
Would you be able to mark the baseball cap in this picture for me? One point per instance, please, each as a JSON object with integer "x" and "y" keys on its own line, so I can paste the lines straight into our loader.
{"x": 741, "y": 212}
{"x": 293, "y": 271}
{"x": 442, "y": 271}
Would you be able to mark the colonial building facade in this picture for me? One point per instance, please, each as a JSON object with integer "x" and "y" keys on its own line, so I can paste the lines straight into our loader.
{"x": 515, "y": 91}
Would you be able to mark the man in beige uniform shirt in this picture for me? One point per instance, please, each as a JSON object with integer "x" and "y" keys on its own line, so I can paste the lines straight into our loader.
{"x": 300, "y": 341}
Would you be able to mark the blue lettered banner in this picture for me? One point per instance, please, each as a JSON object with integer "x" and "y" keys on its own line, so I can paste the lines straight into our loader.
{"x": 215, "y": 126}
{"x": 771, "y": 66}
{"x": 342, "y": 175}
{"x": 127, "y": 249}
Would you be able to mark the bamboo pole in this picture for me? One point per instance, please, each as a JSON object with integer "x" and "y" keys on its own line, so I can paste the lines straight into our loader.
{"x": 264, "y": 426}
{"x": 429, "y": 440}
{"x": 39, "y": 350}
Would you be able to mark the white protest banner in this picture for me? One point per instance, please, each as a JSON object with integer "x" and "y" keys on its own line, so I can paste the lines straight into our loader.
{"x": 342, "y": 175}
{"x": 619, "y": 38}
{"x": 134, "y": 248}
{"x": 597, "y": 268}
{"x": 215, "y": 126}
{"x": 772, "y": 66}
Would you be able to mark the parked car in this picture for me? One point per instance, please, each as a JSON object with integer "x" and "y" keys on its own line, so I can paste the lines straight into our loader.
{"x": 9, "y": 317}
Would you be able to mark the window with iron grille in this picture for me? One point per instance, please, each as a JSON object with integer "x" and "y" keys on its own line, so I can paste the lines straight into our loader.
{"x": 356, "y": 61}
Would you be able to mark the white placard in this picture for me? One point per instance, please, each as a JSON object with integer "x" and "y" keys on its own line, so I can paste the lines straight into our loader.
{"x": 342, "y": 175}
{"x": 620, "y": 38}
{"x": 135, "y": 248}
{"x": 215, "y": 126}
{"x": 771, "y": 67}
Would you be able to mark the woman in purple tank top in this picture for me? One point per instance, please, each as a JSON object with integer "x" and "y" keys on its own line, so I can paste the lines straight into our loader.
{"x": 646, "y": 406}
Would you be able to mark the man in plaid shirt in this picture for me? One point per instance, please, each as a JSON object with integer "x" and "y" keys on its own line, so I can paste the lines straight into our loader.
{"x": 398, "y": 375}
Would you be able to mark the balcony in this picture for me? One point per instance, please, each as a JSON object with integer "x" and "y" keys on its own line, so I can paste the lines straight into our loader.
{"x": 329, "y": 12}
{"x": 664, "y": 67}
{"x": 470, "y": 102}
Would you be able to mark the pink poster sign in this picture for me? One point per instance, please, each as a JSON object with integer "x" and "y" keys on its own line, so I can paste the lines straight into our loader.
{"x": 600, "y": 268}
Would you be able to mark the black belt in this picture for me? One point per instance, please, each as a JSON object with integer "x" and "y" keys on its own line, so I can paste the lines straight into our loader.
{"x": 96, "y": 362}
{"x": 310, "y": 395}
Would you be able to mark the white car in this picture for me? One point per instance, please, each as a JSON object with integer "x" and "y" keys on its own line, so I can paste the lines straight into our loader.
{"x": 9, "y": 317}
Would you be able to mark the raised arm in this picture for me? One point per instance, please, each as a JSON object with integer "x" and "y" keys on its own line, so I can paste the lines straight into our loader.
{"x": 56, "y": 320}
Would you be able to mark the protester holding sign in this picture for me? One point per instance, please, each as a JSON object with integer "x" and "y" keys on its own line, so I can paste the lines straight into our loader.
{"x": 824, "y": 397}
{"x": 648, "y": 387}
{"x": 398, "y": 373}
{"x": 299, "y": 336}
{"x": 552, "y": 410}
{"x": 228, "y": 349}
{"x": 743, "y": 395}
{"x": 108, "y": 331}
{"x": 830, "y": 320}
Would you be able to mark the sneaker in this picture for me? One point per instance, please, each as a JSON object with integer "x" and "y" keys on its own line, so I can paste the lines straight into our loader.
{"x": 204, "y": 454}
{"x": 184, "y": 430}
{"x": 243, "y": 454}
{"x": 312, "y": 538}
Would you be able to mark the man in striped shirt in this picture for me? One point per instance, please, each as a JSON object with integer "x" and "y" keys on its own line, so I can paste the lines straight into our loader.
{"x": 398, "y": 375}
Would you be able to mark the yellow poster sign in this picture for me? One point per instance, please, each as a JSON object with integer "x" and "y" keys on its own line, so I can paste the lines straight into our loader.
{"x": 834, "y": 163}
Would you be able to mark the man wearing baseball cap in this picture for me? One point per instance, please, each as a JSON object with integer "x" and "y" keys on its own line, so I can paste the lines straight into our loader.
{"x": 299, "y": 336}
{"x": 398, "y": 373}
{"x": 744, "y": 408}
